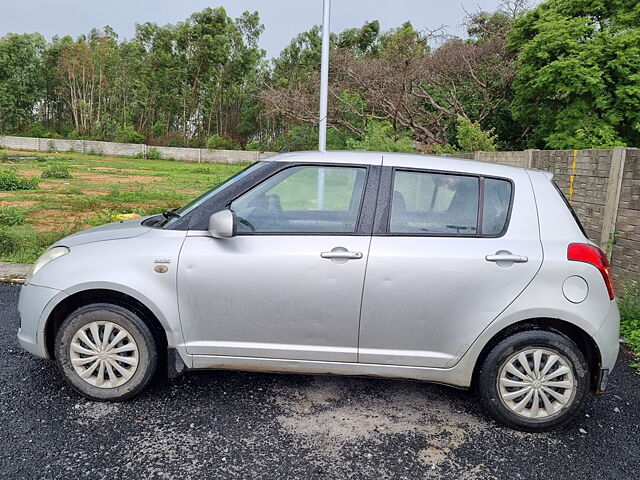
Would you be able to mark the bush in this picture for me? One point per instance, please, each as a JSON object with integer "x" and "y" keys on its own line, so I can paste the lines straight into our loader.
{"x": 471, "y": 137}
{"x": 174, "y": 142}
{"x": 216, "y": 142}
{"x": 56, "y": 171}
{"x": 629, "y": 305}
{"x": 382, "y": 137}
{"x": 10, "y": 181}
{"x": 253, "y": 146}
{"x": 153, "y": 154}
{"x": 128, "y": 134}
{"x": 37, "y": 130}
{"x": 10, "y": 217}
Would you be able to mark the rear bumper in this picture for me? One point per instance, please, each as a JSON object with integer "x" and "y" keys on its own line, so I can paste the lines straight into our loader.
{"x": 608, "y": 340}
{"x": 35, "y": 305}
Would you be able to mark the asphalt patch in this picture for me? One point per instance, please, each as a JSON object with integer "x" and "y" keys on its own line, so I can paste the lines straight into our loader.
{"x": 248, "y": 425}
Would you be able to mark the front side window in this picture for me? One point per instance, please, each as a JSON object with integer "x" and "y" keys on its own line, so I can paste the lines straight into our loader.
{"x": 434, "y": 203}
{"x": 304, "y": 199}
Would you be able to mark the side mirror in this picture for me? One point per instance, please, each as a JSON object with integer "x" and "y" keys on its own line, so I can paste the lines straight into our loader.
{"x": 222, "y": 224}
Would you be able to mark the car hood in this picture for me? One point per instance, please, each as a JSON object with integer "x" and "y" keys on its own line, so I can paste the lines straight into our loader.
{"x": 111, "y": 231}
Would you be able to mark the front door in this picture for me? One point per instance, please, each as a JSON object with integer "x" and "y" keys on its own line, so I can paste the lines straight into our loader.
{"x": 289, "y": 285}
{"x": 448, "y": 261}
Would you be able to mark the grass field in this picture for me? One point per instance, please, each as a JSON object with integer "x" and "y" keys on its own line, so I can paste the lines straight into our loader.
{"x": 99, "y": 189}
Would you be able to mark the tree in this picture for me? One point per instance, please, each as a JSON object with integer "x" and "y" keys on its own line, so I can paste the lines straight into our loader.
{"x": 21, "y": 80}
{"x": 396, "y": 77}
{"x": 578, "y": 79}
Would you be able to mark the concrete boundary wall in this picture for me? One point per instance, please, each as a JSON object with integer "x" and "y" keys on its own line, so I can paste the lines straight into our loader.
{"x": 199, "y": 155}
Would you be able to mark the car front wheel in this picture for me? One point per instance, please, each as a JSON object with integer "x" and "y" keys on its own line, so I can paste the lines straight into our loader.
{"x": 534, "y": 381}
{"x": 106, "y": 352}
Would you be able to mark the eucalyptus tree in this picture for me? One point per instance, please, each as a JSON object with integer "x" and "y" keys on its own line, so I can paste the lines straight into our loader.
{"x": 21, "y": 79}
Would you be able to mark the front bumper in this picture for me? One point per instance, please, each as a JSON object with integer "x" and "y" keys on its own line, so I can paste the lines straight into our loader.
{"x": 35, "y": 306}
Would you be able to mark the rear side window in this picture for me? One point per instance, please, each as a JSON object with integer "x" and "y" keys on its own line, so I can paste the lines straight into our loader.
{"x": 495, "y": 207}
{"x": 434, "y": 203}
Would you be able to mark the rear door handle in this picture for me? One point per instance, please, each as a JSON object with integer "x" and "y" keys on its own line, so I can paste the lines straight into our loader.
{"x": 504, "y": 257}
{"x": 342, "y": 255}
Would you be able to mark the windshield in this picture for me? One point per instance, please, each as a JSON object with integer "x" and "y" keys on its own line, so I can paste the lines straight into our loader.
{"x": 180, "y": 212}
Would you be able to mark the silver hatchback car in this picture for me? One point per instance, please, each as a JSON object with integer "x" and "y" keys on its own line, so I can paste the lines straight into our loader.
{"x": 436, "y": 269}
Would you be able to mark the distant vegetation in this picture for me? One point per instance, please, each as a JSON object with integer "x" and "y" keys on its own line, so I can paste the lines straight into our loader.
{"x": 562, "y": 75}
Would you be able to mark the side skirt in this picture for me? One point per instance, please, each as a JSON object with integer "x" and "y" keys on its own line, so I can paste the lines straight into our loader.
{"x": 449, "y": 376}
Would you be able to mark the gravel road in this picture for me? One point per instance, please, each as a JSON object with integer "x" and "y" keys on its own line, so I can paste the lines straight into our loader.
{"x": 245, "y": 425}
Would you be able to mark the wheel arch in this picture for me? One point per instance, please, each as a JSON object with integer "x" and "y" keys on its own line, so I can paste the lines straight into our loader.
{"x": 582, "y": 339}
{"x": 101, "y": 295}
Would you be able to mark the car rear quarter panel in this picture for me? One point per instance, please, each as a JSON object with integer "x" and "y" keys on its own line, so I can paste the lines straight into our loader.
{"x": 544, "y": 298}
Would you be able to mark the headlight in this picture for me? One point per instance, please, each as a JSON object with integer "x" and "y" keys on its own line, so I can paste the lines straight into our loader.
{"x": 45, "y": 258}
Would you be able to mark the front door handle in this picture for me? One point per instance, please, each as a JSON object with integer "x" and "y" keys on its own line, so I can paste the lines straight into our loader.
{"x": 341, "y": 255}
{"x": 506, "y": 257}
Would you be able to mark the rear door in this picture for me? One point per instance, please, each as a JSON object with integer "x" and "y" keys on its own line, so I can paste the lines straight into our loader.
{"x": 450, "y": 251}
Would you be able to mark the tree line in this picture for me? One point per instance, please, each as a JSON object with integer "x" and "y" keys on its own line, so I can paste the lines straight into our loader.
{"x": 565, "y": 74}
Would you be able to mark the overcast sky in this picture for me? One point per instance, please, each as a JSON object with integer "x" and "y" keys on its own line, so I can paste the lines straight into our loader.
{"x": 283, "y": 19}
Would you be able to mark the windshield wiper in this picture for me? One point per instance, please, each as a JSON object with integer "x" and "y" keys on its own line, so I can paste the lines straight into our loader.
{"x": 170, "y": 214}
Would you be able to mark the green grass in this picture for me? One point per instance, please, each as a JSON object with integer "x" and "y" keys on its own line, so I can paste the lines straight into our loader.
{"x": 100, "y": 189}
{"x": 629, "y": 305}
{"x": 24, "y": 244}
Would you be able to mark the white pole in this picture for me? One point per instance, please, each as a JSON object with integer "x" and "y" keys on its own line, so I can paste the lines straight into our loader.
{"x": 324, "y": 95}
{"x": 324, "y": 77}
{"x": 321, "y": 189}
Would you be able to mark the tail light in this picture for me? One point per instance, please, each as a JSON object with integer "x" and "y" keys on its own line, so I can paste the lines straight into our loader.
{"x": 583, "y": 252}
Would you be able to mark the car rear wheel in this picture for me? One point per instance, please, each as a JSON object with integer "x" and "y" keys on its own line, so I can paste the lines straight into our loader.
{"x": 106, "y": 352}
{"x": 534, "y": 381}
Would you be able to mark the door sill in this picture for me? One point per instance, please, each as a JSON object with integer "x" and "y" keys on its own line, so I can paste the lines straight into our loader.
{"x": 447, "y": 376}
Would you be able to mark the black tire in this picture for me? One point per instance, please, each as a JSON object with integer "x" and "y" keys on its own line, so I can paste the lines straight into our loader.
{"x": 488, "y": 380}
{"x": 146, "y": 354}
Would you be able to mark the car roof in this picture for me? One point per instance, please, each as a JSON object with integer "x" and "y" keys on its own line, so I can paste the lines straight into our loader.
{"x": 402, "y": 160}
